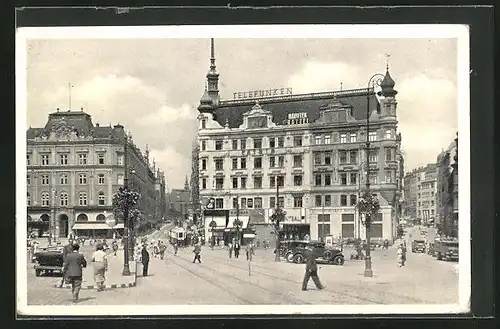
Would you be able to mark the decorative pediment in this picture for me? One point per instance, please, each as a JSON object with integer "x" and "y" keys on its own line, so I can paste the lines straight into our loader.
{"x": 335, "y": 112}
{"x": 257, "y": 118}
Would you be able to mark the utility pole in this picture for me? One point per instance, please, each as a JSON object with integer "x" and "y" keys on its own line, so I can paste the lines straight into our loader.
{"x": 126, "y": 267}
{"x": 277, "y": 255}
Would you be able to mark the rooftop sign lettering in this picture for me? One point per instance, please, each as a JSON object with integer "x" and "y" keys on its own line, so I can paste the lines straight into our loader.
{"x": 262, "y": 93}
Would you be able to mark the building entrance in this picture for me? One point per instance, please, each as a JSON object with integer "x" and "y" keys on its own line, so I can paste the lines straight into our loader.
{"x": 63, "y": 226}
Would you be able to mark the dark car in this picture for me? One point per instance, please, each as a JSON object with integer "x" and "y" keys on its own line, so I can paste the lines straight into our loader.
{"x": 49, "y": 260}
{"x": 446, "y": 249}
{"x": 292, "y": 247}
{"x": 418, "y": 246}
{"x": 332, "y": 255}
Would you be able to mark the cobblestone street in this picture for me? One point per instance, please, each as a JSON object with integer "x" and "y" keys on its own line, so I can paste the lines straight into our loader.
{"x": 220, "y": 280}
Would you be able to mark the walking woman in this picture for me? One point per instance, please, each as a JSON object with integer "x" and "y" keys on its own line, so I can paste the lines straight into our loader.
{"x": 100, "y": 261}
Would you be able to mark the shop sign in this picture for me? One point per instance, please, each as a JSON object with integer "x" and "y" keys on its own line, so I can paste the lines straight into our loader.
{"x": 262, "y": 93}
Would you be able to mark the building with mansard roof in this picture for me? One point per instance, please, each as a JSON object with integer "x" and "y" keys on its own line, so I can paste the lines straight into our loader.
{"x": 73, "y": 170}
{"x": 304, "y": 152}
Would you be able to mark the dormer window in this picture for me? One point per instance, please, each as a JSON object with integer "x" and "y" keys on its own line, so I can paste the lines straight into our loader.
{"x": 204, "y": 124}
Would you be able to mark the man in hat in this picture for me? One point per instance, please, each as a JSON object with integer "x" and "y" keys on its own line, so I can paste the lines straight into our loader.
{"x": 311, "y": 269}
{"x": 68, "y": 249}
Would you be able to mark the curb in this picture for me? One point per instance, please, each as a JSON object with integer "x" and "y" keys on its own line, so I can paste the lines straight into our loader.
{"x": 107, "y": 286}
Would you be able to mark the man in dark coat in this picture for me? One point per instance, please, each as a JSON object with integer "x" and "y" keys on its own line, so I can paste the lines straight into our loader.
{"x": 72, "y": 270}
{"x": 68, "y": 249}
{"x": 197, "y": 253}
{"x": 311, "y": 269}
{"x": 145, "y": 260}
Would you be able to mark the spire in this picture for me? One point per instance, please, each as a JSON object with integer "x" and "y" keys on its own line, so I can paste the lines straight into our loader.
{"x": 213, "y": 76}
{"x": 388, "y": 84}
{"x": 212, "y": 55}
{"x": 205, "y": 102}
{"x": 186, "y": 184}
{"x": 147, "y": 155}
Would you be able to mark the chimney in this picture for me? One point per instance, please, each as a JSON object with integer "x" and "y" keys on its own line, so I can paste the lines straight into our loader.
{"x": 97, "y": 124}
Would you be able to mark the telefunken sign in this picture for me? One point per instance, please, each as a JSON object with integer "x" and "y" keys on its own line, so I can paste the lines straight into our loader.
{"x": 263, "y": 93}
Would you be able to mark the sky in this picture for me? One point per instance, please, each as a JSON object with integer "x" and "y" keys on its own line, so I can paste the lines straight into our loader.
{"x": 153, "y": 86}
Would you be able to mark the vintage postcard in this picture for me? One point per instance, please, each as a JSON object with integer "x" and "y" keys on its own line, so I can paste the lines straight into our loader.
{"x": 284, "y": 169}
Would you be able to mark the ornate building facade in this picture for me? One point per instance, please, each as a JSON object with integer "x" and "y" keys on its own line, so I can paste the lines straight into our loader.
{"x": 305, "y": 153}
{"x": 75, "y": 167}
{"x": 421, "y": 193}
{"x": 447, "y": 190}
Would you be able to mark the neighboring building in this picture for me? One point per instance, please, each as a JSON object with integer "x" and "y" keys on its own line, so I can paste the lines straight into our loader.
{"x": 160, "y": 196}
{"x": 420, "y": 194}
{"x": 74, "y": 169}
{"x": 179, "y": 200}
{"x": 410, "y": 196}
{"x": 305, "y": 152}
{"x": 447, "y": 190}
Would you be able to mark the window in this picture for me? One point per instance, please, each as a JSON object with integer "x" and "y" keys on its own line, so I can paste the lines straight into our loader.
{"x": 353, "y": 157}
{"x": 243, "y": 203}
{"x": 353, "y": 199}
{"x": 317, "y": 180}
{"x": 82, "y": 159}
{"x": 257, "y": 203}
{"x": 343, "y": 138}
{"x": 203, "y": 164}
{"x": 243, "y": 163}
{"x": 317, "y": 139}
{"x": 235, "y": 144}
{"x": 297, "y": 180}
{"x": 388, "y": 176}
{"x": 235, "y": 163}
{"x": 353, "y": 178}
{"x": 257, "y": 182}
{"x": 328, "y": 139}
{"x": 235, "y": 203}
{"x": 243, "y": 144}
{"x": 343, "y": 156}
{"x": 45, "y": 199}
{"x": 373, "y": 156}
{"x": 317, "y": 158}
{"x": 100, "y": 158}
{"x": 347, "y": 225}
{"x": 219, "y": 164}
{"x": 432, "y": 193}
{"x": 45, "y": 159}
{"x": 432, "y": 203}
{"x": 28, "y": 180}
{"x": 219, "y": 183}
{"x": 102, "y": 199}
{"x": 297, "y": 202}
{"x": 204, "y": 124}
{"x": 219, "y": 203}
{"x": 272, "y": 181}
{"x": 353, "y": 137}
{"x": 272, "y": 162}
{"x": 119, "y": 159}
{"x": 281, "y": 141}
{"x": 257, "y": 143}
{"x": 280, "y": 180}
{"x": 328, "y": 158}
{"x": 28, "y": 199}
{"x": 45, "y": 179}
{"x": 343, "y": 179}
{"x": 203, "y": 145}
{"x": 281, "y": 161}
{"x": 372, "y": 136}
{"x": 388, "y": 154}
{"x": 100, "y": 218}
{"x": 82, "y": 199}
{"x": 82, "y": 218}
{"x": 388, "y": 134}
{"x": 281, "y": 202}
{"x": 250, "y": 203}
{"x": 28, "y": 159}
{"x": 328, "y": 200}
{"x": 243, "y": 182}
{"x": 272, "y": 142}
{"x": 317, "y": 200}
{"x": 119, "y": 179}
{"x": 297, "y": 140}
{"x": 218, "y": 144}
{"x": 203, "y": 183}
{"x": 297, "y": 160}
{"x": 82, "y": 178}
{"x": 432, "y": 212}
{"x": 257, "y": 163}
{"x": 63, "y": 159}
{"x": 272, "y": 202}
{"x": 235, "y": 182}
{"x": 343, "y": 200}
{"x": 373, "y": 178}
{"x": 323, "y": 229}
{"x": 328, "y": 180}
{"x": 419, "y": 203}
{"x": 100, "y": 179}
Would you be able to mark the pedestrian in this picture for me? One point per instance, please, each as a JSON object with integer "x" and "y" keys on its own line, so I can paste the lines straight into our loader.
{"x": 249, "y": 251}
{"x": 403, "y": 247}
{"x": 114, "y": 245}
{"x": 72, "y": 270}
{"x": 176, "y": 248}
{"x": 386, "y": 244}
{"x": 162, "y": 247}
{"x": 230, "y": 249}
{"x": 100, "y": 260}
{"x": 145, "y": 260}
{"x": 311, "y": 269}
{"x": 237, "y": 248}
{"x": 197, "y": 253}
{"x": 66, "y": 251}
{"x": 400, "y": 255}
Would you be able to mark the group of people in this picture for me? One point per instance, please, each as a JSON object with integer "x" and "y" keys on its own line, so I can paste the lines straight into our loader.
{"x": 235, "y": 246}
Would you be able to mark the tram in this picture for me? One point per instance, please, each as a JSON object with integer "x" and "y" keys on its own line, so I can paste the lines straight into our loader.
{"x": 177, "y": 235}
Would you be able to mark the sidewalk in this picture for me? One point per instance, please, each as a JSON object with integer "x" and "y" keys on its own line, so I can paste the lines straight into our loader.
{"x": 114, "y": 277}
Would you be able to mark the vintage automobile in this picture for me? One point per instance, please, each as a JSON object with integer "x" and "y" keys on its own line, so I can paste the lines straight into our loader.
{"x": 332, "y": 255}
{"x": 446, "y": 249}
{"x": 291, "y": 247}
{"x": 49, "y": 260}
{"x": 418, "y": 246}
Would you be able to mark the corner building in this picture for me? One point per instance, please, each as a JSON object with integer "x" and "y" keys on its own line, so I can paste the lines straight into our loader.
{"x": 306, "y": 152}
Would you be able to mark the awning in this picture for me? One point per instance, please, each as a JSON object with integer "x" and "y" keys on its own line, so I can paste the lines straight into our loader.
{"x": 118, "y": 226}
{"x": 244, "y": 220}
{"x": 91, "y": 226}
{"x": 220, "y": 220}
{"x": 248, "y": 236}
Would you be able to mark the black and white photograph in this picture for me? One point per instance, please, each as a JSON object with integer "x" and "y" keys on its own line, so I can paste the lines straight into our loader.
{"x": 204, "y": 170}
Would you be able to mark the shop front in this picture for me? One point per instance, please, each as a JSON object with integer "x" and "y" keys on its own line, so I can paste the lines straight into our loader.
{"x": 93, "y": 230}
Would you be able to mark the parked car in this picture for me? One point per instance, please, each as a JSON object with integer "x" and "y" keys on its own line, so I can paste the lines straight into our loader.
{"x": 332, "y": 255}
{"x": 49, "y": 260}
{"x": 446, "y": 249}
{"x": 292, "y": 247}
{"x": 418, "y": 246}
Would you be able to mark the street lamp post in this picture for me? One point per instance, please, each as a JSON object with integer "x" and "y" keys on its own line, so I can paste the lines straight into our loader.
{"x": 126, "y": 267}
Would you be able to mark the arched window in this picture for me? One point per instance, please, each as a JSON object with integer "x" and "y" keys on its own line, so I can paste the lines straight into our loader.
{"x": 82, "y": 197}
{"x": 45, "y": 218}
{"x": 82, "y": 218}
{"x": 45, "y": 199}
{"x": 28, "y": 199}
{"x": 101, "y": 218}
{"x": 102, "y": 199}
{"x": 63, "y": 179}
{"x": 29, "y": 218}
{"x": 63, "y": 199}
